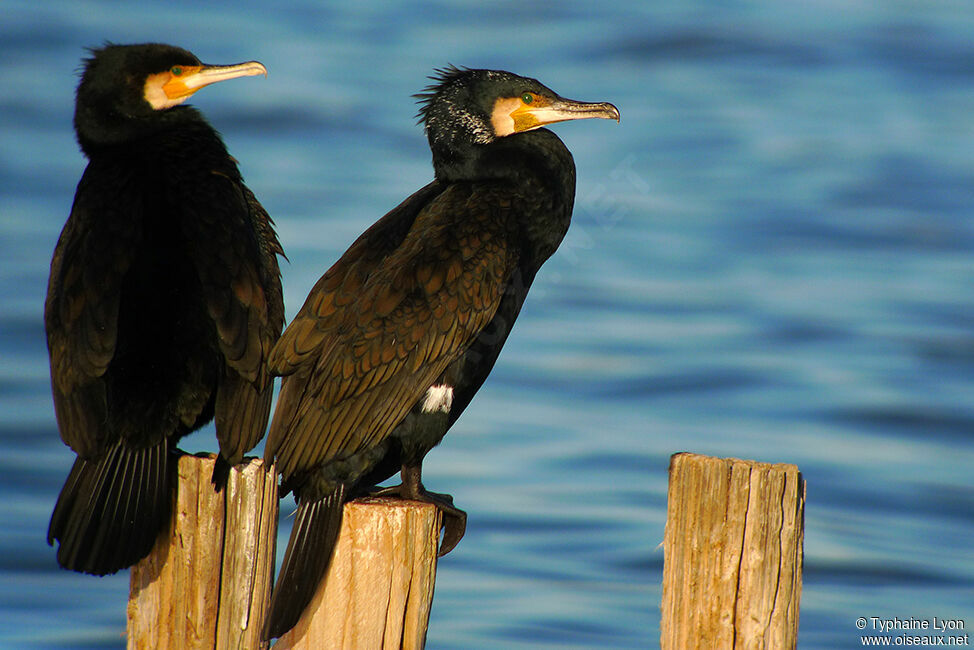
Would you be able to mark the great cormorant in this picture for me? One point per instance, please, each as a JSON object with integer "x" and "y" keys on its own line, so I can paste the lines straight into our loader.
{"x": 163, "y": 303}
{"x": 397, "y": 337}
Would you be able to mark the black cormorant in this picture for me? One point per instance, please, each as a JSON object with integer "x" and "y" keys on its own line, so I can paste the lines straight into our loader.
{"x": 397, "y": 337}
{"x": 163, "y": 303}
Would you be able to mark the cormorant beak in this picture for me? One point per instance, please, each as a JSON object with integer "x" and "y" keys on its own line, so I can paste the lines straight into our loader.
{"x": 544, "y": 110}
{"x": 186, "y": 80}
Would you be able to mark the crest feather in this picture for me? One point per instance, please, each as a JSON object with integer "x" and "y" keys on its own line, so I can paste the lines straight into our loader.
{"x": 441, "y": 77}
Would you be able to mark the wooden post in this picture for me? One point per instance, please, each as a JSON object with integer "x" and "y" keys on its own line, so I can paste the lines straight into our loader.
{"x": 732, "y": 570}
{"x": 207, "y": 583}
{"x": 379, "y": 587}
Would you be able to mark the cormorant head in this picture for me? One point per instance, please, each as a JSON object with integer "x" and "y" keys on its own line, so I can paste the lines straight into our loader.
{"x": 122, "y": 86}
{"x": 464, "y": 108}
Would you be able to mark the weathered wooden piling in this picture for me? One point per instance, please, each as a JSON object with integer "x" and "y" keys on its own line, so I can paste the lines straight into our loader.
{"x": 732, "y": 570}
{"x": 379, "y": 588}
{"x": 206, "y": 584}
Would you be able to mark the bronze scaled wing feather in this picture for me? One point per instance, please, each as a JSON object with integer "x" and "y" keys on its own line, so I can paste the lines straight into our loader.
{"x": 92, "y": 256}
{"x": 248, "y": 318}
{"x": 370, "y": 341}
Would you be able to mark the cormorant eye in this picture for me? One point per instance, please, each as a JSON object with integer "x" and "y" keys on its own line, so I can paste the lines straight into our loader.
{"x": 176, "y": 70}
{"x": 527, "y": 98}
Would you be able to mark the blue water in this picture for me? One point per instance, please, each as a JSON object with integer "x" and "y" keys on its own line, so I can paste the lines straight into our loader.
{"x": 772, "y": 257}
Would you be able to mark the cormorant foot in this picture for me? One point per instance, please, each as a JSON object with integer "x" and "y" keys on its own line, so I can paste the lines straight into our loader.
{"x": 454, "y": 519}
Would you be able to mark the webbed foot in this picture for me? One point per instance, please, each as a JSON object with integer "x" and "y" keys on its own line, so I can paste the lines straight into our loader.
{"x": 454, "y": 519}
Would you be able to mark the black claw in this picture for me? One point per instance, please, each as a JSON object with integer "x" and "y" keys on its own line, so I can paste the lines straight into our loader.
{"x": 454, "y": 519}
{"x": 454, "y": 526}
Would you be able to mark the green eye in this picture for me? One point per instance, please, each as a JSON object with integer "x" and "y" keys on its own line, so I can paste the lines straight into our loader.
{"x": 176, "y": 70}
{"x": 527, "y": 98}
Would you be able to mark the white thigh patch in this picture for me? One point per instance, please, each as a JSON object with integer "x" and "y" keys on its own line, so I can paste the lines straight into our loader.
{"x": 438, "y": 398}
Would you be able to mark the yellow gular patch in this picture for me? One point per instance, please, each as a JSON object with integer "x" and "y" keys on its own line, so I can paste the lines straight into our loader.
{"x": 176, "y": 87}
{"x": 514, "y": 114}
{"x": 524, "y": 116}
{"x": 166, "y": 89}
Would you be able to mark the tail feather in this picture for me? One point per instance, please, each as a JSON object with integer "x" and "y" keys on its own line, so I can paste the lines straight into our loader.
{"x": 306, "y": 561}
{"x": 112, "y": 509}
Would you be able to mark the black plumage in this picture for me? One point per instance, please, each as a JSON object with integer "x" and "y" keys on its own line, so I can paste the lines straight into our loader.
{"x": 163, "y": 303}
{"x": 396, "y": 338}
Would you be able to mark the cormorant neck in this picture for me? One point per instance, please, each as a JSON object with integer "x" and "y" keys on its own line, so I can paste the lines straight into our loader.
{"x": 97, "y": 128}
{"x": 538, "y": 165}
{"x": 535, "y": 153}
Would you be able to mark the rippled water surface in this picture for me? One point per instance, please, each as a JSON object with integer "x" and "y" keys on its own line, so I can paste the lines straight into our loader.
{"x": 772, "y": 257}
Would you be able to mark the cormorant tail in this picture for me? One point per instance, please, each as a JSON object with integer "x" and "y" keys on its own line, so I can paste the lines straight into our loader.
{"x": 309, "y": 551}
{"x": 112, "y": 509}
